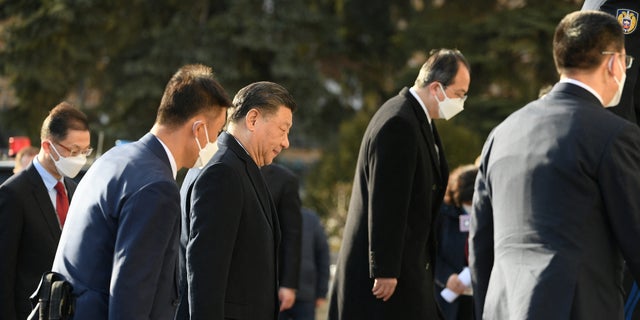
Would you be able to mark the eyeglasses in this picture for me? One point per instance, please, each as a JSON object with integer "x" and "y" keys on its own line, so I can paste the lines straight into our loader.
{"x": 628, "y": 60}
{"x": 86, "y": 152}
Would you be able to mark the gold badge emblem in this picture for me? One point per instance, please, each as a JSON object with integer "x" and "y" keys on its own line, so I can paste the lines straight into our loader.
{"x": 628, "y": 20}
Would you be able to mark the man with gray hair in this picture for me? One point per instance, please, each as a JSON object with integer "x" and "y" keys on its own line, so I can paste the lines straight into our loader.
{"x": 231, "y": 232}
{"x": 555, "y": 207}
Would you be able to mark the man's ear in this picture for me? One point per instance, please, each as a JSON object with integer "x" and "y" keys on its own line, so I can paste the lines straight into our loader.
{"x": 252, "y": 118}
{"x": 434, "y": 89}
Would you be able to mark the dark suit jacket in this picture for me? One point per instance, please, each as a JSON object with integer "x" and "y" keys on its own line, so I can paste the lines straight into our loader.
{"x": 397, "y": 191}
{"x": 119, "y": 247}
{"x": 233, "y": 238}
{"x": 451, "y": 258}
{"x": 629, "y": 106}
{"x": 283, "y": 186}
{"x": 557, "y": 196}
{"x": 314, "y": 267}
{"x": 29, "y": 235}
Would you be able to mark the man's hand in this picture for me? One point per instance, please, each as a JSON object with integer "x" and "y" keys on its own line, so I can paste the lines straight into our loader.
{"x": 454, "y": 284}
{"x": 320, "y": 302}
{"x": 287, "y": 297}
{"x": 383, "y": 288}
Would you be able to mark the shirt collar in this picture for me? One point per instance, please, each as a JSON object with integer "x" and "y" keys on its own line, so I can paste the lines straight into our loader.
{"x": 48, "y": 179}
{"x": 424, "y": 108}
{"x": 582, "y": 85}
{"x": 240, "y": 143}
{"x": 172, "y": 160}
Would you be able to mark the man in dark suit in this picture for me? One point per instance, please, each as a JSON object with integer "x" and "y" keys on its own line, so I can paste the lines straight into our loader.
{"x": 231, "y": 222}
{"x": 555, "y": 206}
{"x": 314, "y": 270}
{"x": 31, "y": 218}
{"x": 119, "y": 248}
{"x": 627, "y": 13}
{"x": 283, "y": 185}
{"x": 385, "y": 266}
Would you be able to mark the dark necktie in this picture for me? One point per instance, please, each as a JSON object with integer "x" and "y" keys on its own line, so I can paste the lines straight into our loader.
{"x": 62, "y": 203}
{"x": 436, "y": 138}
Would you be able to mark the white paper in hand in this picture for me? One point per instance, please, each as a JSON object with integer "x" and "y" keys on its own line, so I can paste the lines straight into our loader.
{"x": 465, "y": 277}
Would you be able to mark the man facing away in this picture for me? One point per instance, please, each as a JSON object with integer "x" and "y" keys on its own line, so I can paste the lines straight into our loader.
{"x": 556, "y": 207}
{"x": 385, "y": 265}
{"x": 230, "y": 221}
{"x": 33, "y": 207}
{"x": 119, "y": 248}
{"x": 627, "y": 13}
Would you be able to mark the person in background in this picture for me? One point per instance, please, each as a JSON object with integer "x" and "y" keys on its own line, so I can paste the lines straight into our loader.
{"x": 33, "y": 207}
{"x": 231, "y": 225}
{"x": 120, "y": 247}
{"x": 385, "y": 265}
{"x": 452, "y": 233}
{"x": 314, "y": 270}
{"x": 626, "y": 12}
{"x": 556, "y": 209}
{"x": 283, "y": 185}
{"x": 24, "y": 158}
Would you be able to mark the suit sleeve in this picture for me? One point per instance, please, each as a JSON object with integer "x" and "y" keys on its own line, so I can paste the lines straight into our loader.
{"x": 146, "y": 222}
{"x": 290, "y": 218}
{"x": 592, "y": 4}
{"x": 216, "y": 209}
{"x": 321, "y": 255}
{"x": 11, "y": 221}
{"x": 392, "y": 160}
{"x": 619, "y": 177}
{"x": 481, "y": 234}
{"x": 444, "y": 267}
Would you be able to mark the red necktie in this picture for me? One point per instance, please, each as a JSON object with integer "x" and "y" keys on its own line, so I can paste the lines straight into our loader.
{"x": 62, "y": 202}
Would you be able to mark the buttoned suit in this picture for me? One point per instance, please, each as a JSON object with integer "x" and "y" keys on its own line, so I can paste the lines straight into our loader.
{"x": 555, "y": 211}
{"x": 119, "y": 247}
{"x": 398, "y": 187}
{"x": 233, "y": 238}
{"x": 29, "y": 235}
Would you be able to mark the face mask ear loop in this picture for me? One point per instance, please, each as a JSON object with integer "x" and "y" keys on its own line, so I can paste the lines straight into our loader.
{"x": 54, "y": 149}
{"x": 206, "y": 134}
{"x": 610, "y": 64}
{"x": 444, "y": 94}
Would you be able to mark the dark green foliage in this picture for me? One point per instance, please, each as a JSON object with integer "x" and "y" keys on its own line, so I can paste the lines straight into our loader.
{"x": 341, "y": 59}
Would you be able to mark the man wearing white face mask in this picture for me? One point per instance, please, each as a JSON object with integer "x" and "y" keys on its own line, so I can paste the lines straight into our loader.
{"x": 120, "y": 246}
{"x": 556, "y": 206}
{"x": 385, "y": 266}
{"x": 33, "y": 207}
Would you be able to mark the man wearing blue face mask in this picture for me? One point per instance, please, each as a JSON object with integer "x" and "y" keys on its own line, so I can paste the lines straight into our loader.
{"x": 33, "y": 207}
{"x": 556, "y": 204}
{"x": 385, "y": 266}
{"x": 120, "y": 246}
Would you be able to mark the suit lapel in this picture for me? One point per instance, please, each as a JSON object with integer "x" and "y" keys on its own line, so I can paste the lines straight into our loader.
{"x": 261, "y": 190}
{"x": 43, "y": 202}
{"x": 256, "y": 178}
{"x": 429, "y": 135}
{"x": 443, "y": 169}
